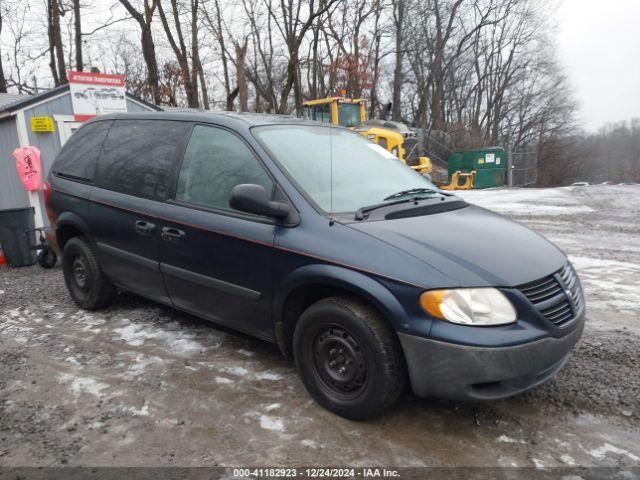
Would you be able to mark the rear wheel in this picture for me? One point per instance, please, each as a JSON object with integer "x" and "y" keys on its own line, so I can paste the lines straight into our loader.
{"x": 348, "y": 358}
{"x": 88, "y": 286}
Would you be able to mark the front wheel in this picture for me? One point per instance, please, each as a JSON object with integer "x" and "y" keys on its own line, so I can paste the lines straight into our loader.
{"x": 348, "y": 358}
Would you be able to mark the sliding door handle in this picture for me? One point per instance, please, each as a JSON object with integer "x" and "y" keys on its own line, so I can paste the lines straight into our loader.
{"x": 171, "y": 234}
{"x": 145, "y": 228}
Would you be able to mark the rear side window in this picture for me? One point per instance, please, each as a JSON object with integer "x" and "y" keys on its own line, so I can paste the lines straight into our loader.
{"x": 214, "y": 162}
{"x": 79, "y": 157}
{"x": 138, "y": 157}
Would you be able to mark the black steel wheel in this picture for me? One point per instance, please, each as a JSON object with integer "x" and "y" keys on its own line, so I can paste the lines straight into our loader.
{"x": 47, "y": 258}
{"x": 348, "y": 358}
{"x": 339, "y": 363}
{"x": 87, "y": 285}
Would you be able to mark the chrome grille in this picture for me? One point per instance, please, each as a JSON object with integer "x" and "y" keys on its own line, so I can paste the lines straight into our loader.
{"x": 557, "y": 297}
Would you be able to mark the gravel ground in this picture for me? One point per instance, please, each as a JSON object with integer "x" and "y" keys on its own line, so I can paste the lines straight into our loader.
{"x": 141, "y": 384}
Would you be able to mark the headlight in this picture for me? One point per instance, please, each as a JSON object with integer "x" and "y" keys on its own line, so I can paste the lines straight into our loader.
{"x": 469, "y": 306}
{"x": 394, "y": 150}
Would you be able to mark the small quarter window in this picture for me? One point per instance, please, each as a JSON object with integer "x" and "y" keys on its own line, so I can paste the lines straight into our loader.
{"x": 215, "y": 161}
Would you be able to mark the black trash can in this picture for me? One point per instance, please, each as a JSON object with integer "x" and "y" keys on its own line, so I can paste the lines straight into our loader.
{"x": 18, "y": 237}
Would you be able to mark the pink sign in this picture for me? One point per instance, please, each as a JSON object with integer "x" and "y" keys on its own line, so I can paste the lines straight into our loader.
{"x": 29, "y": 166}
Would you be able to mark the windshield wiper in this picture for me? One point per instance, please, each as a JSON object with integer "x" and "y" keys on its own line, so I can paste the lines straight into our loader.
{"x": 413, "y": 194}
{"x": 410, "y": 191}
{"x": 362, "y": 210}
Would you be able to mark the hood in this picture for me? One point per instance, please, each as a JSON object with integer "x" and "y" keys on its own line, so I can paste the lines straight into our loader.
{"x": 473, "y": 246}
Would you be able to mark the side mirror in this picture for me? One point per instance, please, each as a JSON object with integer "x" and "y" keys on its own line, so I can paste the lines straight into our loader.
{"x": 252, "y": 198}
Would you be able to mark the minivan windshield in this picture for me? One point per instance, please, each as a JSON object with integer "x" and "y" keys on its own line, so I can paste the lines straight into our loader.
{"x": 340, "y": 170}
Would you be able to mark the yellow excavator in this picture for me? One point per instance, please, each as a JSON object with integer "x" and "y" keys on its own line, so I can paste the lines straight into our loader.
{"x": 395, "y": 137}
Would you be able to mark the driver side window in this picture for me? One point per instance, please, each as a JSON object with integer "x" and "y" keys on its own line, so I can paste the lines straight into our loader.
{"x": 214, "y": 162}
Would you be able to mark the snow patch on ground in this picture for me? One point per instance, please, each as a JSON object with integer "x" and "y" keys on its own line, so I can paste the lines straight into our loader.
{"x": 73, "y": 361}
{"x": 239, "y": 371}
{"x": 603, "y": 450}
{"x": 179, "y": 344}
{"x": 268, "y": 376}
{"x": 223, "y": 380}
{"x": 271, "y": 423}
{"x": 567, "y": 459}
{"x": 81, "y": 385}
{"x": 133, "y": 334}
{"x": 611, "y": 284}
{"x": 141, "y": 412}
{"x": 505, "y": 439}
{"x": 140, "y": 364}
{"x": 537, "y": 463}
{"x": 540, "y": 201}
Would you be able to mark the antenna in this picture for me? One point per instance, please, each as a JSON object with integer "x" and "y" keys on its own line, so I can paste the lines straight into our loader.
{"x": 331, "y": 221}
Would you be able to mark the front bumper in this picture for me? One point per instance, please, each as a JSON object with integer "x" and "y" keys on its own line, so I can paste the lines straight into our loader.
{"x": 460, "y": 372}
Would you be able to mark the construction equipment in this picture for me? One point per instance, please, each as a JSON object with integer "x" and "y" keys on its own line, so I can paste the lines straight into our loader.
{"x": 395, "y": 137}
{"x": 456, "y": 177}
{"x": 488, "y": 166}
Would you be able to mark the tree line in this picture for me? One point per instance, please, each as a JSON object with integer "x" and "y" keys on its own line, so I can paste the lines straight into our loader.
{"x": 472, "y": 73}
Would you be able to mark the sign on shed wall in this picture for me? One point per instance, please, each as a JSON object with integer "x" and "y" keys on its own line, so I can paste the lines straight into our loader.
{"x": 42, "y": 124}
{"x": 96, "y": 93}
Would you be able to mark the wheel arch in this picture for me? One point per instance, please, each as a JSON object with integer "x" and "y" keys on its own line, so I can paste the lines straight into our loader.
{"x": 310, "y": 283}
{"x": 69, "y": 225}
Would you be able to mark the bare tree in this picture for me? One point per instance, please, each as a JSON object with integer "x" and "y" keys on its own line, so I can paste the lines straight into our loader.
{"x": 78, "y": 35}
{"x": 377, "y": 58}
{"x": 243, "y": 92}
{"x": 293, "y": 25}
{"x": 399, "y": 13}
{"x": 3, "y": 81}
{"x": 214, "y": 22}
{"x": 195, "y": 52}
{"x": 56, "y": 48}
{"x": 189, "y": 72}
{"x": 264, "y": 70}
{"x": 144, "y": 19}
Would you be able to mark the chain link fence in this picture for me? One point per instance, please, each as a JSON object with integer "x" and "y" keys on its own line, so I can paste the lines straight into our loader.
{"x": 523, "y": 168}
{"x": 522, "y": 165}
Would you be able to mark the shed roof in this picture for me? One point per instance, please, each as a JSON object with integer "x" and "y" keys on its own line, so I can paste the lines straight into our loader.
{"x": 9, "y": 98}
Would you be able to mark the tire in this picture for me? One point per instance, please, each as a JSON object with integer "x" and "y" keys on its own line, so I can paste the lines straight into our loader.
{"x": 345, "y": 333}
{"x": 47, "y": 258}
{"x": 87, "y": 285}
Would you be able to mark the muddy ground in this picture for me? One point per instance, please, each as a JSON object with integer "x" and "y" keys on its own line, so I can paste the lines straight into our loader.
{"x": 141, "y": 384}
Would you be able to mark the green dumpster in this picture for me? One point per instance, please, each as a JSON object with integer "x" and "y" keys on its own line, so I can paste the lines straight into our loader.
{"x": 489, "y": 164}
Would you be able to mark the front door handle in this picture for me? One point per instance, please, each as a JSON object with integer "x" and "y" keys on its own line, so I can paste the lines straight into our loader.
{"x": 145, "y": 228}
{"x": 171, "y": 234}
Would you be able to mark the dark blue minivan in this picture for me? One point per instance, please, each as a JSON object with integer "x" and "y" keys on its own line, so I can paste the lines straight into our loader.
{"x": 314, "y": 238}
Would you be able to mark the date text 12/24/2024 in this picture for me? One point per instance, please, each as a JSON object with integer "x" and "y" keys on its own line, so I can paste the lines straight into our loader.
{"x": 316, "y": 472}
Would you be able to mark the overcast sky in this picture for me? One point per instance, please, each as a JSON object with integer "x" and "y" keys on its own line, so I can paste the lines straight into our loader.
{"x": 599, "y": 45}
